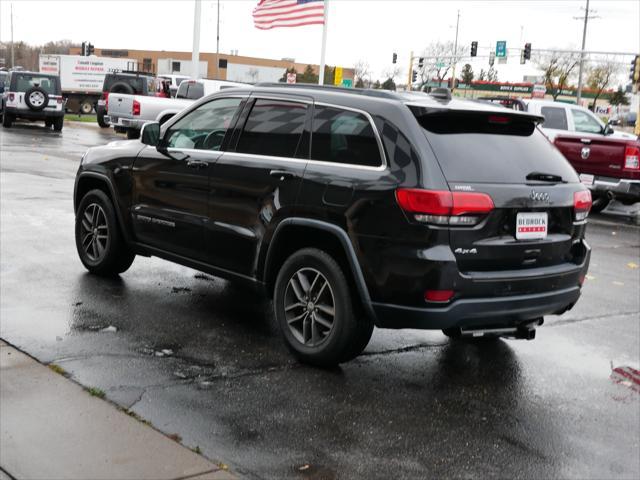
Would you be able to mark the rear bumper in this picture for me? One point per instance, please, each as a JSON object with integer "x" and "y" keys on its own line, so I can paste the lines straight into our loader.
{"x": 130, "y": 123}
{"x": 499, "y": 310}
{"x": 31, "y": 115}
{"x": 618, "y": 186}
{"x": 477, "y": 312}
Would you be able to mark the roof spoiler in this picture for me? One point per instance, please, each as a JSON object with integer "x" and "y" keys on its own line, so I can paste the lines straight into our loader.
{"x": 441, "y": 93}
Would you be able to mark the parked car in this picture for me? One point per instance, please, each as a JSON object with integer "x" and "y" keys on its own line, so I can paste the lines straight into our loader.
{"x": 352, "y": 208}
{"x": 174, "y": 82}
{"x": 3, "y": 77}
{"x": 32, "y": 96}
{"x": 130, "y": 83}
{"x": 606, "y": 160}
{"x": 130, "y": 112}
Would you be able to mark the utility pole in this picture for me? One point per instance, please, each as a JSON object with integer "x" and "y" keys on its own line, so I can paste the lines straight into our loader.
{"x": 13, "y": 57}
{"x": 584, "y": 40}
{"x": 218, "y": 44}
{"x": 195, "y": 53}
{"x": 455, "y": 55}
{"x": 410, "y": 79}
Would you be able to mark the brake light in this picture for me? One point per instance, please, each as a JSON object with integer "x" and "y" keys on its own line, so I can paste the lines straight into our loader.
{"x": 582, "y": 204}
{"x": 631, "y": 155}
{"x": 499, "y": 119}
{"x": 136, "y": 107}
{"x": 443, "y": 207}
{"x": 438, "y": 295}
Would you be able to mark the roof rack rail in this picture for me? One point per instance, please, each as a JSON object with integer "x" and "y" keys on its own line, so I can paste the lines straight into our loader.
{"x": 312, "y": 86}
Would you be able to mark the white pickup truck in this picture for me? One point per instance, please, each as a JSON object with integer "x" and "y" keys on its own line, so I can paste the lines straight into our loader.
{"x": 131, "y": 112}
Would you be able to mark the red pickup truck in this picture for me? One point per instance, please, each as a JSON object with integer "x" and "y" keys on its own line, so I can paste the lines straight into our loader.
{"x": 606, "y": 161}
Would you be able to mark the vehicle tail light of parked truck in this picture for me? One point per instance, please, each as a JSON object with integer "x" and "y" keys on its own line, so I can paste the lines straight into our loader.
{"x": 631, "y": 154}
{"x": 136, "y": 108}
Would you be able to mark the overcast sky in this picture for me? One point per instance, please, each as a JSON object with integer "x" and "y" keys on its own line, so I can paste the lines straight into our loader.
{"x": 368, "y": 30}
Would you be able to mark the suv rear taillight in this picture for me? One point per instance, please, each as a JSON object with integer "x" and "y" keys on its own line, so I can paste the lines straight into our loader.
{"x": 442, "y": 207}
{"x": 631, "y": 155}
{"x": 582, "y": 204}
{"x": 136, "y": 107}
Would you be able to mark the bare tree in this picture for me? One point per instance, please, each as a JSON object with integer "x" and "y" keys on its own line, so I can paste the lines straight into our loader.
{"x": 557, "y": 70}
{"x": 439, "y": 58}
{"x": 392, "y": 72}
{"x": 600, "y": 76}
{"x": 362, "y": 73}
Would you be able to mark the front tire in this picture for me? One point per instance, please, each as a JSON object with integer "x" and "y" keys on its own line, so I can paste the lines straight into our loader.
{"x": 100, "y": 244}
{"x": 314, "y": 308}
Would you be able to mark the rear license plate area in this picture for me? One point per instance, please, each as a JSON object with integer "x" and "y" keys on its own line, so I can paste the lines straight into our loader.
{"x": 532, "y": 225}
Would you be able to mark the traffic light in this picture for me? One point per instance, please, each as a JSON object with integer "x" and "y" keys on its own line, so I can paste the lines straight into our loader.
{"x": 492, "y": 58}
{"x": 421, "y": 62}
{"x": 395, "y": 58}
{"x": 527, "y": 51}
{"x": 634, "y": 74}
{"x": 474, "y": 48}
{"x": 90, "y": 49}
{"x": 414, "y": 76}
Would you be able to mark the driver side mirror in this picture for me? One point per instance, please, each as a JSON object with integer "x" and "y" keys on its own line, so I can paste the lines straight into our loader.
{"x": 608, "y": 129}
{"x": 150, "y": 134}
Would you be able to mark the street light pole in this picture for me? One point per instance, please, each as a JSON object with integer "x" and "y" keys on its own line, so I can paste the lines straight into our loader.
{"x": 455, "y": 55}
{"x": 13, "y": 58}
{"x": 195, "y": 53}
{"x": 218, "y": 43}
{"x": 584, "y": 40}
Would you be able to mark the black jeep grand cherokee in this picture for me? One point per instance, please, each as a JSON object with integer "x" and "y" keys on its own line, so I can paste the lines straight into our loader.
{"x": 353, "y": 208}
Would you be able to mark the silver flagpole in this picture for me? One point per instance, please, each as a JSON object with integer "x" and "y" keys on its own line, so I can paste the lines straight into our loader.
{"x": 324, "y": 42}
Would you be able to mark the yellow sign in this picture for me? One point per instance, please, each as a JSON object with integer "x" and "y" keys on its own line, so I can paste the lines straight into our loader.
{"x": 337, "y": 76}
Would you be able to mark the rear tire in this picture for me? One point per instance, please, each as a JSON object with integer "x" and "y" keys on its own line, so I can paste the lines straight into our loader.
{"x": 86, "y": 107}
{"x": 99, "y": 241}
{"x": 133, "y": 134}
{"x": 313, "y": 305}
{"x": 48, "y": 123}
{"x": 7, "y": 120}
{"x": 600, "y": 202}
{"x": 100, "y": 117}
{"x": 58, "y": 124}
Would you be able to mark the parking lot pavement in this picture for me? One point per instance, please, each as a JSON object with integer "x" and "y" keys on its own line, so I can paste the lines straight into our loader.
{"x": 202, "y": 358}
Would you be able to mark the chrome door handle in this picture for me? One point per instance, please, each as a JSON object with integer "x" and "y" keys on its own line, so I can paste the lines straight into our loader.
{"x": 197, "y": 164}
{"x": 282, "y": 174}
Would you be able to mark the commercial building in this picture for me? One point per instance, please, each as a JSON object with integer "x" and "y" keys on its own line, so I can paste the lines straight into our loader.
{"x": 224, "y": 66}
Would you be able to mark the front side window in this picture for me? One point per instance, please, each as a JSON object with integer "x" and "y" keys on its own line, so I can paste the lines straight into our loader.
{"x": 585, "y": 122}
{"x": 274, "y": 128}
{"x": 205, "y": 127}
{"x": 554, "y": 117}
{"x": 343, "y": 136}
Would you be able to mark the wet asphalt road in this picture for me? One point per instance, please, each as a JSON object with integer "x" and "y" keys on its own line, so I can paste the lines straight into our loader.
{"x": 414, "y": 405}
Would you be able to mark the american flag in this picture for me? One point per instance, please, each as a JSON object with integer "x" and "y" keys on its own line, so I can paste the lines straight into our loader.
{"x": 288, "y": 13}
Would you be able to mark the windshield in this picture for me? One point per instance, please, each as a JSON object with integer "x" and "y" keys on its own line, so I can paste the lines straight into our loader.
{"x": 22, "y": 82}
{"x": 491, "y": 147}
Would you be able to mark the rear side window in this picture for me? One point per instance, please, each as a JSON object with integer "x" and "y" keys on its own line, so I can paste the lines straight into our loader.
{"x": 274, "y": 127}
{"x": 343, "y": 136}
{"x": 22, "y": 82}
{"x": 491, "y": 148}
{"x": 584, "y": 122}
{"x": 190, "y": 90}
{"x": 555, "y": 117}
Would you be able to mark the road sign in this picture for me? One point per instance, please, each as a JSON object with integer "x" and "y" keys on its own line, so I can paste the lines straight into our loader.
{"x": 347, "y": 82}
{"x": 501, "y": 49}
{"x": 337, "y": 77}
{"x": 291, "y": 78}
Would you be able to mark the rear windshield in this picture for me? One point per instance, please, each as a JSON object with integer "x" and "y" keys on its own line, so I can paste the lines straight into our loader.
{"x": 190, "y": 90}
{"x": 21, "y": 82}
{"x": 491, "y": 147}
{"x": 136, "y": 82}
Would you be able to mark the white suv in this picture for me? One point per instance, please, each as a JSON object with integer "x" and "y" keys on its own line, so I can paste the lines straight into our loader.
{"x": 33, "y": 96}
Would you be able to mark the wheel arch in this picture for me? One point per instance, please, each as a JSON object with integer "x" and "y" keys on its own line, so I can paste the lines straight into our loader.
{"x": 87, "y": 181}
{"x": 306, "y": 232}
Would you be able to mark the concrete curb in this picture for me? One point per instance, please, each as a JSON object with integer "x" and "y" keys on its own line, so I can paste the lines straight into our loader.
{"x": 51, "y": 427}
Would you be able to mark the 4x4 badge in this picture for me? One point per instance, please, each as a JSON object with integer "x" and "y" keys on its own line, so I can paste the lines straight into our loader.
{"x": 539, "y": 196}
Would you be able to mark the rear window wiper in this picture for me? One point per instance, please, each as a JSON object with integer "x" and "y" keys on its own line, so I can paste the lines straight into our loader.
{"x": 545, "y": 177}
